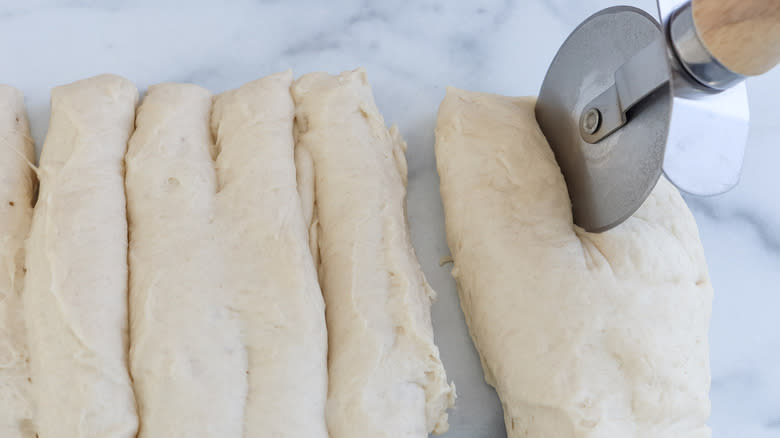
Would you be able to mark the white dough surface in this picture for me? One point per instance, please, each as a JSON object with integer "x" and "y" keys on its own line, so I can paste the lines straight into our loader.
{"x": 271, "y": 273}
{"x": 582, "y": 335}
{"x": 187, "y": 359}
{"x": 385, "y": 375}
{"x": 75, "y": 294}
{"x": 17, "y": 185}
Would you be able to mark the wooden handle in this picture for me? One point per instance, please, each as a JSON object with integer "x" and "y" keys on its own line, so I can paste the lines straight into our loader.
{"x": 744, "y": 35}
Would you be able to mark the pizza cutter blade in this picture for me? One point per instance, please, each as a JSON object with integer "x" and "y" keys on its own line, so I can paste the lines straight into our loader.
{"x": 606, "y": 108}
{"x": 605, "y": 73}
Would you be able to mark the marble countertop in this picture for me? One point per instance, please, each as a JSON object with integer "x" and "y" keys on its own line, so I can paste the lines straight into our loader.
{"x": 412, "y": 50}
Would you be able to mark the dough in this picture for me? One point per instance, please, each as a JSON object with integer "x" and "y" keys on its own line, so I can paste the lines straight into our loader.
{"x": 17, "y": 183}
{"x": 269, "y": 265}
{"x": 75, "y": 295}
{"x": 385, "y": 376}
{"x": 582, "y": 335}
{"x": 186, "y": 357}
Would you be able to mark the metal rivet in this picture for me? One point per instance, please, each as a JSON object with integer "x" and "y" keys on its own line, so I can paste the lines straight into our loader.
{"x": 591, "y": 121}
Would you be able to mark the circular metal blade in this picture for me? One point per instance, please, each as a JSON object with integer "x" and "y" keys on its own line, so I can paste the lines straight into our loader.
{"x": 608, "y": 180}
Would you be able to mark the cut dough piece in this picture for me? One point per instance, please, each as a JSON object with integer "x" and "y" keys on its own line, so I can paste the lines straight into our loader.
{"x": 269, "y": 265}
{"x": 385, "y": 376}
{"x": 582, "y": 335}
{"x": 186, "y": 357}
{"x": 17, "y": 184}
{"x": 75, "y": 295}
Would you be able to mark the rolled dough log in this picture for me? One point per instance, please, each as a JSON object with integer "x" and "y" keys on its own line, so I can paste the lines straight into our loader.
{"x": 186, "y": 356}
{"x": 17, "y": 184}
{"x": 269, "y": 265}
{"x": 75, "y": 295}
{"x": 582, "y": 335}
{"x": 385, "y": 376}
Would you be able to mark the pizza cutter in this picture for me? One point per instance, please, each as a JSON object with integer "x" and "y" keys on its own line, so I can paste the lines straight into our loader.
{"x": 628, "y": 97}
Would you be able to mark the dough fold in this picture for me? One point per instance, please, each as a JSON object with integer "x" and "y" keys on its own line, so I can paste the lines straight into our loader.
{"x": 269, "y": 266}
{"x": 186, "y": 358}
{"x": 17, "y": 185}
{"x": 582, "y": 335}
{"x": 385, "y": 375}
{"x": 75, "y": 294}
